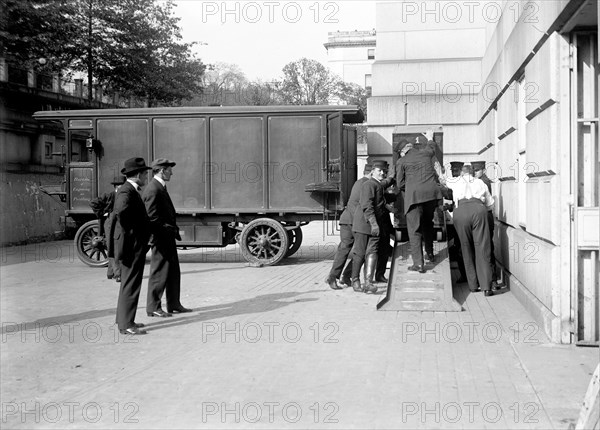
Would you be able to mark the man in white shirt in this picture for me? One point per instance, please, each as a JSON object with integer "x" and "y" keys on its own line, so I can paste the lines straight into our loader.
{"x": 471, "y": 200}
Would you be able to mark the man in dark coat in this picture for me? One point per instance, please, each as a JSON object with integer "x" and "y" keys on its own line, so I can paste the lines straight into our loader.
{"x": 346, "y": 236}
{"x": 416, "y": 175}
{"x": 132, "y": 231}
{"x": 371, "y": 226}
{"x": 165, "y": 275}
{"x": 103, "y": 209}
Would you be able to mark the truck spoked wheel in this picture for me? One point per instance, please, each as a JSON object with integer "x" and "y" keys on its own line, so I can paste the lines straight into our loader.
{"x": 295, "y": 240}
{"x": 91, "y": 248}
{"x": 264, "y": 241}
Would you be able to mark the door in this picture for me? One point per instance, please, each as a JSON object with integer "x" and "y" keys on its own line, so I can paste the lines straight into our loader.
{"x": 585, "y": 208}
{"x": 81, "y": 178}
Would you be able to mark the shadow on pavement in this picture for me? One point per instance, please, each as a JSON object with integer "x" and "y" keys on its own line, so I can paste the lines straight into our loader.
{"x": 264, "y": 303}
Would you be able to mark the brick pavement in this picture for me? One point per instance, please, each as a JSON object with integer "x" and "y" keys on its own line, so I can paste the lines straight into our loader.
{"x": 271, "y": 347}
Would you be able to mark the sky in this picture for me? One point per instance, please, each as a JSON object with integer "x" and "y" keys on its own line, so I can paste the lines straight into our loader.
{"x": 263, "y": 36}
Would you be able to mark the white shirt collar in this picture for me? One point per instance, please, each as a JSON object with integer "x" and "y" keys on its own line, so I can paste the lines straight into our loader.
{"x": 135, "y": 185}
{"x": 159, "y": 179}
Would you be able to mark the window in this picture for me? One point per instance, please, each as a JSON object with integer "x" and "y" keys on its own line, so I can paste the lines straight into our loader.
{"x": 371, "y": 54}
{"x": 48, "y": 150}
{"x": 368, "y": 81}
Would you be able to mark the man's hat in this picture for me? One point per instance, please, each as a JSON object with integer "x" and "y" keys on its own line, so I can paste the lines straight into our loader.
{"x": 163, "y": 162}
{"x": 119, "y": 180}
{"x": 478, "y": 165}
{"x": 133, "y": 165}
{"x": 380, "y": 164}
{"x": 368, "y": 168}
{"x": 455, "y": 167}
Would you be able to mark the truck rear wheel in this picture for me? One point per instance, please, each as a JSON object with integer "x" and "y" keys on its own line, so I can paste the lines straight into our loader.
{"x": 295, "y": 240}
{"x": 91, "y": 248}
{"x": 264, "y": 241}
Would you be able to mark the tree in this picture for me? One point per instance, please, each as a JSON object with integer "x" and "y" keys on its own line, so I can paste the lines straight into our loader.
{"x": 131, "y": 46}
{"x": 222, "y": 84}
{"x": 307, "y": 82}
{"x": 34, "y": 33}
{"x": 353, "y": 94}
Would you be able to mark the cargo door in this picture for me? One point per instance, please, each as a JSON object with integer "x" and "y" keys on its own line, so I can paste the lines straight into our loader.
{"x": 183, "y": 140}
{"x": 295, "y": 148}
{"x": 349, "y": 159}
{"x": 120, "y": 139}
{"x": 81, "y": 167}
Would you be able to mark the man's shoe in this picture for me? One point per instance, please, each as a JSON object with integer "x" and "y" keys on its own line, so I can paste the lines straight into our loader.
{"x": 332, "y": 282}
{"x": 118, "y": 279}
{"x": 179, "y": 310}
{"x": 488, "y": 293}
{"x": 134, "y": 331}
{"x": 476, "y": 290}
{"x": 429, "y": 258}
{"x": 139, "y": 325}
{"x": 370, "y": 288}
{"x": 159, "y": 313}
{"x": 356, "y": 285}
{"x": 381, "y": 278}
{"x": 417, "y": 268}
{"x": 345, "y": 282}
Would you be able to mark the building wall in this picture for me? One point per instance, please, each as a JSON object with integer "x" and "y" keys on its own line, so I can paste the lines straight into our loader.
{"x": 501, "y": 91}
{"x": 347, "y": 55}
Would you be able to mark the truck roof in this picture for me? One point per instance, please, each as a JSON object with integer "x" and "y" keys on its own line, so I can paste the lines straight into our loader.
{"x": 352, "y": 113}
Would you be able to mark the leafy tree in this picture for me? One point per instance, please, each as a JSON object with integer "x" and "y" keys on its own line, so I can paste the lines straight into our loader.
{"x": 353, "y": 94}
{"x": 34, "y": 33}
{"x": 131, "y": 46}
{"x": 307, "y": 82}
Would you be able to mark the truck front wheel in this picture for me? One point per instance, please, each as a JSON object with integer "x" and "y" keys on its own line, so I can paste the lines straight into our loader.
{"x": 91, "y": 248}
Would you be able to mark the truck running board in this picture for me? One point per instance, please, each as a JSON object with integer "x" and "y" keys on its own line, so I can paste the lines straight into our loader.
{"x": 414, "y": 291}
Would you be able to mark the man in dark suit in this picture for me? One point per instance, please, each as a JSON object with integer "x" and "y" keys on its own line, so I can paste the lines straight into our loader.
{"x": 132, "y": 231}
{"x": 103, "y": 208}
{"x": 165, "y": 274}
{"x": 371, "y": 225}
{"x": 346, "y": 236}
{"x": 416, "y": 175}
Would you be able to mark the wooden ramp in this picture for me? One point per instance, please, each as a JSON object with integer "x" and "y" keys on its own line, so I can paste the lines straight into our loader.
{"x": 414, "y": 291}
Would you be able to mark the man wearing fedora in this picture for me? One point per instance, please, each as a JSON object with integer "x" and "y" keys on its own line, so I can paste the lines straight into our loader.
{"x": 103, "y": 208}
{"x": 372, "y": 227}
{"x": 417, "y": 176}
{"x": 165, "y": 275}
{"x": 132, "y": 231}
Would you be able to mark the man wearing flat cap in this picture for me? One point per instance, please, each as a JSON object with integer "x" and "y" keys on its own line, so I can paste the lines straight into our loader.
{"x": 347, "y": 237}
{"x": 165, "y": 275}
{"x": 132, "y": 231}
{"x": 479, "y": 173}
{"x": 371, "y": 226}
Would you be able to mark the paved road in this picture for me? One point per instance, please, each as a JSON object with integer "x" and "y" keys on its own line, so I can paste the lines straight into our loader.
{"x": 270, "y": 347}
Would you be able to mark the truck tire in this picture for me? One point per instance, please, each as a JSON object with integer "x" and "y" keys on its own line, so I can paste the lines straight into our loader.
{"x": 91, "y": 248}
{"x": 295, "y": 240}
{"x": 264, "y": 242}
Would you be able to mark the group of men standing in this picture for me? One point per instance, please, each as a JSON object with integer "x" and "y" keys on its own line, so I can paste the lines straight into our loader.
{"x": 140, "y": 220}
{"x": 365, "y": 225}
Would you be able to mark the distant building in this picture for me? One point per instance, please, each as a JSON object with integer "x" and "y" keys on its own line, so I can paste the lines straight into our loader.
{"x": 515, "y": 84}
{"x": 350, "y": 54}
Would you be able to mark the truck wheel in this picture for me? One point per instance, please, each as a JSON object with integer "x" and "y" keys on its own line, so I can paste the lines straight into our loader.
{"x": 295, "y": 240}
{"x": 264, "y": 241}
{"x": 91, "y": 248}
